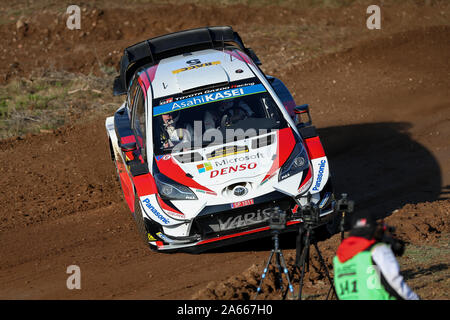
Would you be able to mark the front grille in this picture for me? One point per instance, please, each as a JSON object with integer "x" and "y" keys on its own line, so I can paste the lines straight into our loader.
{"x": 238, "y": 220}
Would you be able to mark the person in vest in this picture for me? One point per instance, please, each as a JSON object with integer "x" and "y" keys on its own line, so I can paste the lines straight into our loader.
{"x": 365, "y": 268}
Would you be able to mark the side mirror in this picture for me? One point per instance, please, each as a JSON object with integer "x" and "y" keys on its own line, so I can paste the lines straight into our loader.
{"x": 127, "y": 147}
{"x": 300, "y": 111}
{"x": 118, "y": 88}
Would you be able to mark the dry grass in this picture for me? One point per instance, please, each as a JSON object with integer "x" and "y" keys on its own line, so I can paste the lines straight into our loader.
{"x": 53, "y": 100}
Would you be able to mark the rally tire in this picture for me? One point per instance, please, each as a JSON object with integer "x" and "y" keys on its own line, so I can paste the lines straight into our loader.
{"x": 113, "y": 158}
{"x": 139, "y": 218}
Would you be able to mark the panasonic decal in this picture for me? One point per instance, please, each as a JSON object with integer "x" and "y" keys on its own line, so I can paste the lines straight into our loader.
{"x": 320, "y": 175}
{"x": 155, "y": 212}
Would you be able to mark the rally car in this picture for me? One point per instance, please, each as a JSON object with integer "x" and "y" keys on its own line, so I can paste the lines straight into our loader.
{"x": 206, "y": 145}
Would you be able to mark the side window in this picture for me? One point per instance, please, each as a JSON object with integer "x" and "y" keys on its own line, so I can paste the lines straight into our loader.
{"x": 138, "y": 120}
{"x": 132, "y": 93}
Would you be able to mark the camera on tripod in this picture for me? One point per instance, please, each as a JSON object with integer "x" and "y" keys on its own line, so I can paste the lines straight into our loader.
{"x": 345, "y": 205}
{"x": 277, "y": 220}
{"x": 310, "y": 214}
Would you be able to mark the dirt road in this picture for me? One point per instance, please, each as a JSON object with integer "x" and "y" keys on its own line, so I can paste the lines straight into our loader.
{"x": 381, "y": 103}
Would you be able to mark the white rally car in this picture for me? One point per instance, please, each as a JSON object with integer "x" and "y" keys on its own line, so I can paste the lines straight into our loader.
{"x": 206, "y": 144}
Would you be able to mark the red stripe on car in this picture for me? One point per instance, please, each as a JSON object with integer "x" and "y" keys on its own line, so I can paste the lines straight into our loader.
{"x": 128, "y": 139}
{"x": 127, "y": 186}
{"x": 242, "y": 233}
{"x": 314, "y": 148}
{"x": 233, "y": 235}
{"x": 166, "y": 207}
{"x": 169, "y": 168}
{"x": 142, "y": 84}
{"x": 151, "y": 72}
{"x": 145, "y": 185}
{"x": 286, "y": 143}
{"x": 305, "y": 179}
{"x": 240, "y": 56}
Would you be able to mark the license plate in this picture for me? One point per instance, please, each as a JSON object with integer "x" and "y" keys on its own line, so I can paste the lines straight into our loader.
{"x": 242, "y": 203}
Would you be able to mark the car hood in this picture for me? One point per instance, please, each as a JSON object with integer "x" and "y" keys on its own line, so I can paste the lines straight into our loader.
{"x": 254, "y": 159}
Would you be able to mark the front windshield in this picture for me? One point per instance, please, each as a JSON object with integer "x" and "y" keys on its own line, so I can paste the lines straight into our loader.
{"x": 214, "y": 116}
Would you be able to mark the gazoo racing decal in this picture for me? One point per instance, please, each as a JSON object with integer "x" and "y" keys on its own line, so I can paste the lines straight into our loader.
{"x": 207, "y": 98}
{"x": 199, "y": 93}
{"x": 236, "y": 168}
{"x": 196, "y": 66}
{"x": 320, "y": 175}
{"x": 166, "y": 101}
{"x": 246, "y": 219}
{"x": 155, "y": 212}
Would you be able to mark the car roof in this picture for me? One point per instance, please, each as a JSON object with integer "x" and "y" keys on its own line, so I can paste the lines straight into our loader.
{"x": 187, "y": 71}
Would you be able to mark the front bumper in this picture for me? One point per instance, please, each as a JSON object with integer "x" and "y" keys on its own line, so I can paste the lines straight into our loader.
{"x": 213, "y": 230}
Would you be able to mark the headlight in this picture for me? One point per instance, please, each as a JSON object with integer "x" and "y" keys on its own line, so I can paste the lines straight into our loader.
{"x": 297, "y": 162}
{"x": 171, "y": 190}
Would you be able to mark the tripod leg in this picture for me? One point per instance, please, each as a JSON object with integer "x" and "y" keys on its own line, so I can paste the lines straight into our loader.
{"x": 298, "y": 246}
{"x": 322, "y": 262}
{"x": 307, "y": 258}
{"x": 285, "y": 270}
{"x": 342, "y": 226}
{"x": 298, "y": 252}
{"x": 303, "y": 261}
{"x": 258, "y": 290}
{"x": 280, "y": 269}
{"x": 328, "y": 293}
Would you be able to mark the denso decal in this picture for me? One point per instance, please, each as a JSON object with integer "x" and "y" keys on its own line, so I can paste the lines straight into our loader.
{"x": 245, "y": 219}
{"x": 207, "y": 98}
{"x": 320, "y": 175}
{"x": 236, "y": 168}
{"x": 155, "y": 212}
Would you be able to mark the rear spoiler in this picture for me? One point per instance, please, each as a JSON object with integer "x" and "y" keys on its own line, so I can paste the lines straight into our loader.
{"x": 152, "y": 50}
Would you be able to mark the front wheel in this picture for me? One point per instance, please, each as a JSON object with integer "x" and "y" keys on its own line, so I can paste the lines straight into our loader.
{"x": 139, "y": 218}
